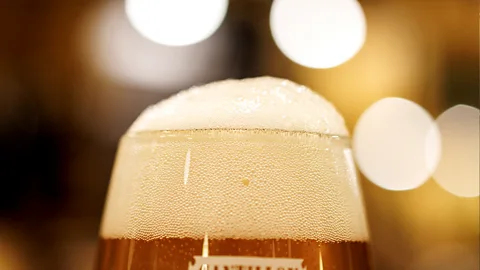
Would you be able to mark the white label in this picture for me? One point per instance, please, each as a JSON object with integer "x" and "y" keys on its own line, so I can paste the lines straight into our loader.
{"x": 245, "y": 263}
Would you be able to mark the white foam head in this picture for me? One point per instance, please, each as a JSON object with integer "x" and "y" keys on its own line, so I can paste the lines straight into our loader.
{"x": 192, "y": 181}
{"x": 256, "y": 103}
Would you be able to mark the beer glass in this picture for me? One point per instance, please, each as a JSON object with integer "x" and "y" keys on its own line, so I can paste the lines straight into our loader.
{"x": 233, "y": 199}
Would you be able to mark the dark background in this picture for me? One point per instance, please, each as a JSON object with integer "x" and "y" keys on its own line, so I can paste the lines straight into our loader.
{"x": 61, "y": 116}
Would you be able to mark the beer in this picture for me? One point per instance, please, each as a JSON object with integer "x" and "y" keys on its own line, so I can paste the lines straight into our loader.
{"x": 241, "y": 184}
{"x": 159, "y": 254}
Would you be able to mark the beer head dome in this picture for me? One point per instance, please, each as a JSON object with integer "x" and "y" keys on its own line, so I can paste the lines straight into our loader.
{"x": 256, "y": 103}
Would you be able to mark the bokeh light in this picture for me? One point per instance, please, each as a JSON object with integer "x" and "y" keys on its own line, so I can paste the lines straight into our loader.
{"x": 176, "y": 23}
{"x": 396, "y": 144}
{"x": 122, "y": 54}
{"x": 458, "y": 170}
{"x": 318, "y": 33}
{"x": 13, "y": 253}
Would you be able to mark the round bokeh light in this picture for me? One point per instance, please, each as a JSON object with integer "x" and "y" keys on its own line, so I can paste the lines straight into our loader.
{"x": 124, "y": 56}
{"x": 176, "y": 23}
{"x": 396, "y": 144}
{"x": 318, "y": 33}
{"x": 458, "y": 170}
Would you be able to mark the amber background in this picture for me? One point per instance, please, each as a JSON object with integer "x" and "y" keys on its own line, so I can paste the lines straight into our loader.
{"x": 60, "y": 120}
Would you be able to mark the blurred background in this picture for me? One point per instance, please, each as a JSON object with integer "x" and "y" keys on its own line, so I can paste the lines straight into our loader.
{"x": 75, "y": 74}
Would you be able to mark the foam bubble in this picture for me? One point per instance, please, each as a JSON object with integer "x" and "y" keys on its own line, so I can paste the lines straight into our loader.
{"x": 255, "y": 103}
